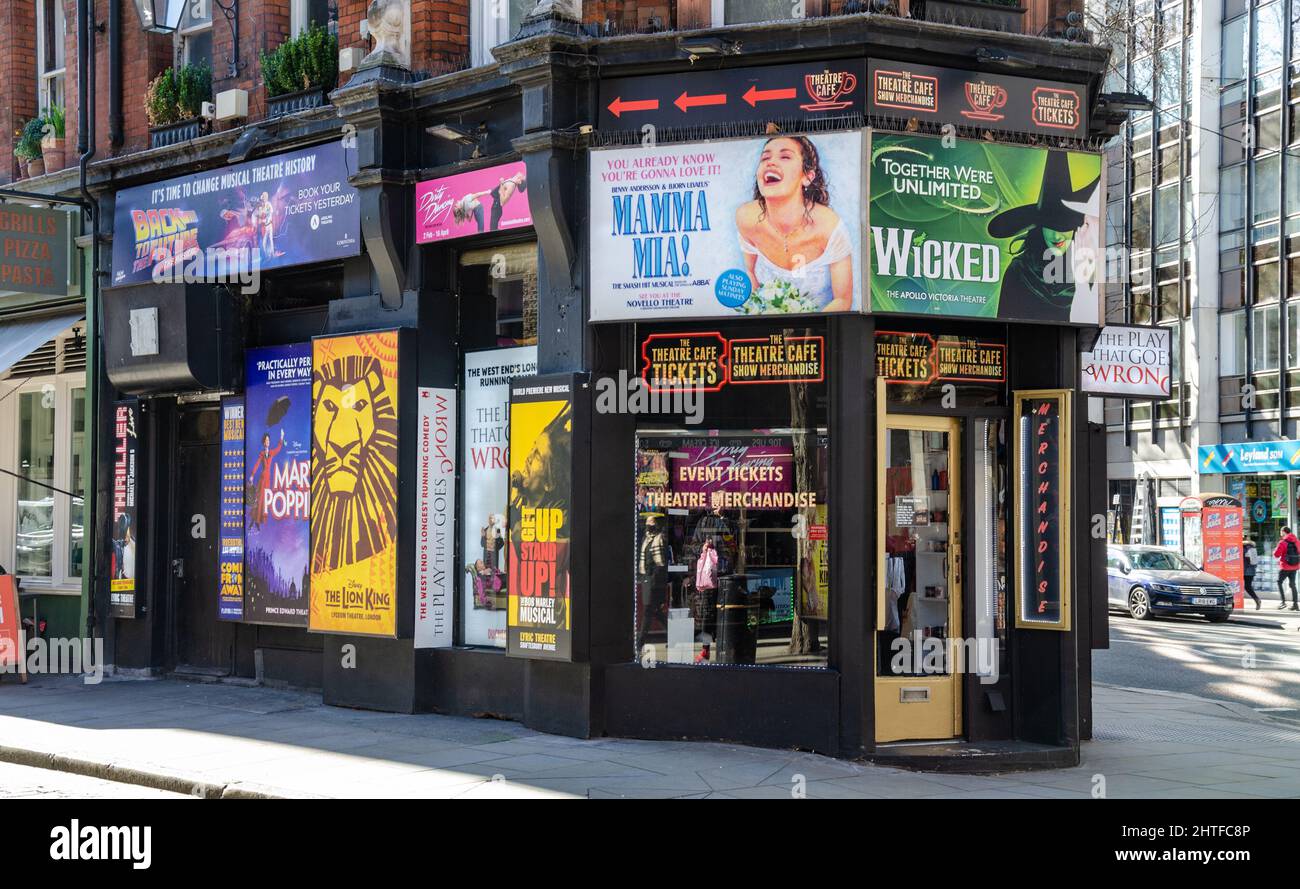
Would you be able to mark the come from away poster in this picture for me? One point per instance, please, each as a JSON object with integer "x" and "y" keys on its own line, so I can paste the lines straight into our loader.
{"x": 277, "y": 478}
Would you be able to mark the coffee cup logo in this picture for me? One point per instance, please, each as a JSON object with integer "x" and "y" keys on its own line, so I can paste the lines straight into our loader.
{"x": 827, "y": 88}
{"x": 985, "y": 100}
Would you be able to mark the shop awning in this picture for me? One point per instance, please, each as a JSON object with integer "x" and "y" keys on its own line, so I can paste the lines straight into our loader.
{"x": 23, "y": 336}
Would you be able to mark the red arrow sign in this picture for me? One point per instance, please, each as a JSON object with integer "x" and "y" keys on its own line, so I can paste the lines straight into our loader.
{"x": 618, "y": 106}
{"x": 754, "y": 95}
{"x": 686, "y": 103}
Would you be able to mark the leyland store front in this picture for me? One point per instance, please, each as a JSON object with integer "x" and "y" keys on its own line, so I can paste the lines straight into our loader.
{"x": 848, "y": 385}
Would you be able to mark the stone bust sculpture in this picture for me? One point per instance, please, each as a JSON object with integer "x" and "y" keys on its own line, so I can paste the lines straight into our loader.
{"x": 389, "y": 22}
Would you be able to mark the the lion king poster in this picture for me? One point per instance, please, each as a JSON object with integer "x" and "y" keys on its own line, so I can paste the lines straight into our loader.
{"x": 354, "y": 459}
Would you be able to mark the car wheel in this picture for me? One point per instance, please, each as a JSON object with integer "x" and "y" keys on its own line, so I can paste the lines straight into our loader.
{"x": 1218, "y": 618}
{"x": 1139, "y": 604}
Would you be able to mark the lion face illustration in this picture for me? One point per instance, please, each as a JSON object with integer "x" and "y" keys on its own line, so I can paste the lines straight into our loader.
{"x": 354, "y": 463}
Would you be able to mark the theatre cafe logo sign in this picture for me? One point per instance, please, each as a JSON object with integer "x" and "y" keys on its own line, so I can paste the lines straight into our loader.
{"x": 1129, "y": 361}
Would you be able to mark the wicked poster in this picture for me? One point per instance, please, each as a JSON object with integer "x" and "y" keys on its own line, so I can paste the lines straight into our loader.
{"x": 539, "y": 617}
{"x": 985, "y": 230}
{"x": 354, "y": 462}
{"x": 277, "y": 480}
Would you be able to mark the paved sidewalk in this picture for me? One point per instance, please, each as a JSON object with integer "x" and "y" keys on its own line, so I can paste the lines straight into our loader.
{"x": 220, "y": 740}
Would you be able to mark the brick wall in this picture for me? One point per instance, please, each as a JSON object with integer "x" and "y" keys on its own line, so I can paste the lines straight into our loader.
{"x": 439, "y": 32}
{"x": 17, "y": 77}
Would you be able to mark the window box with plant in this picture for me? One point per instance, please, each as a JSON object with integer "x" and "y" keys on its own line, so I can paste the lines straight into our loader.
{"x": 300, "y": 72}
{"x": 990, "y": 15}
{"x": 27, "y": 148}
{"x": 53, "y": 135}
{"x": 174, "y": 104}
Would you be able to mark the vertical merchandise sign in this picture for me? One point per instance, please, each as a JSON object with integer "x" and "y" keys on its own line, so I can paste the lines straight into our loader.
{"x": 230, "y": 595}
{"x": 277, "y": 476}
{"x": 354, "y": 462}
{"x": 1042, "y": 461}
{"x": 435, "y": 518}
{"x": 539, "y": 617}
{"x": 485, "y": 474}
{"x": 126, "y": 508}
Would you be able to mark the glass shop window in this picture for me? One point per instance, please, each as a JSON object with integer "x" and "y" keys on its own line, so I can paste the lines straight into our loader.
{"x": 732, "y": 529}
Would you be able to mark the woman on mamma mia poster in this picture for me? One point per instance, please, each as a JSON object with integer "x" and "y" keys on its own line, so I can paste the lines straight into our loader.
{"x": 795, "y": 245}
{"x": 757, "y": 226}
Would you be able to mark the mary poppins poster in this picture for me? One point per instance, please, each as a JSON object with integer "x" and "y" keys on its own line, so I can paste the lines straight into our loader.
{"x": 277, "y": 476}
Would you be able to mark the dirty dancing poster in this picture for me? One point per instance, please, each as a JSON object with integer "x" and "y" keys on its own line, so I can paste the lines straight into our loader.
{"x": 277, "y": 481}
{"x": 539, "y": 618}
{"x": 767, "y": 226}
{"x": 984, "y": 230}
{"x": 354, "y": 459}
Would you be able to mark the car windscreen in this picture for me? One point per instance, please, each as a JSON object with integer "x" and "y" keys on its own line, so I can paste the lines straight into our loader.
{"x": 1155, "y": 560}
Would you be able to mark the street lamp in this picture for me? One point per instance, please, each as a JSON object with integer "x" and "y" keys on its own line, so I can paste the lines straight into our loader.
{"x": 160, "y": 16}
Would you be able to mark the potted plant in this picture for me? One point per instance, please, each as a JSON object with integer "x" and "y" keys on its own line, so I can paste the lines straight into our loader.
{"x": 53, "y": 139}
{"x": 173, "y": 102}
{"x": 300, "y": 72}
{"x": 990, "y": 15}
{"x": 28, "y": 148}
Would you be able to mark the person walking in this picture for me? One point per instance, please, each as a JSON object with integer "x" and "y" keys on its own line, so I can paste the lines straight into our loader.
{"x": 706, "y": 595}
{"x": 1288, "y": 562}
{"x": 1249, "y": 559}
{"x": 656, "y": 556}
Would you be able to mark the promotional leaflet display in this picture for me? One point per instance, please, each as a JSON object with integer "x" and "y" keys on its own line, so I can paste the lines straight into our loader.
{"x": 539, "y": 617}
{"x": 1042, "y": 459}
{"x": 268, "y": 213}
{"x": 354, "y": 464}
{"x": 1129, "y": 361}
{"x": 230, "y": 595}
{"x": 126, "y": 501}
{"x": 985, "y": 230}
{"x": 277, "y": 477}
{"x": 435, "y": 517}
{"x": 976, "y": 98}
{"x": 492, "y": 199}
{"x": 13, "y": 650}
{"x": 485, "y": 471}
{"x": 724, "y": 229}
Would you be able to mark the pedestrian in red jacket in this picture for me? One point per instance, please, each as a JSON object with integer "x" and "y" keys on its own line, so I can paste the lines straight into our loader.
{"x": 1288, "y": 562}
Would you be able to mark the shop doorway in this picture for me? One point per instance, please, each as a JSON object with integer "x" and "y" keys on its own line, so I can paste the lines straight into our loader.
{"x": 919, "y": 583}
{"x": 201, "y": 644}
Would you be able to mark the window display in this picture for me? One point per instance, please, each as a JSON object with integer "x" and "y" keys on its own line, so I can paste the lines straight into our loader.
{"x": 732, "y": 545}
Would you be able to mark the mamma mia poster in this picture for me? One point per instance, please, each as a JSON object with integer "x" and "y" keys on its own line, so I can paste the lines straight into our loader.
{"x": 767, "y": 226}
{"x": 277, "y": 478}
{"x": 984, "y": 230}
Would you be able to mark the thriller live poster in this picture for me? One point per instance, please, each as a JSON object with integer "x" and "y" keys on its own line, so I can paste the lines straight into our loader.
{"x": 126, "y": 505}
{"x": 354, "y": 454}
{"x": 277, "y": 476}
{"x": 538, "y": 616}
{"x": 276, "y": 212}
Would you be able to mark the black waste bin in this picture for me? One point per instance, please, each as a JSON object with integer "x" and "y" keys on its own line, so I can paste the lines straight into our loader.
{"x": 737, "y": 637}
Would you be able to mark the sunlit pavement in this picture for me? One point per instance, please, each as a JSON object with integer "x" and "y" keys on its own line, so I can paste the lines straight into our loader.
{"x": 25, "y": 782}
{"x": 217, "y": 740}
{"x": 1253, "y": 659}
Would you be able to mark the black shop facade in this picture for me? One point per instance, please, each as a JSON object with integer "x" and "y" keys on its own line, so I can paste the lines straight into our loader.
{"x": 722, "y": 438}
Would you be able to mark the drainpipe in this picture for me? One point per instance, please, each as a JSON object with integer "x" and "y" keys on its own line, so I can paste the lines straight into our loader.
{"x": 115, "y": 123}
{"x": 86, "y": 150}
